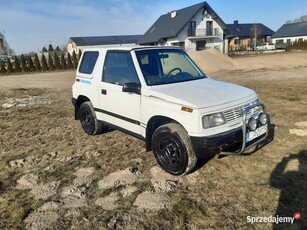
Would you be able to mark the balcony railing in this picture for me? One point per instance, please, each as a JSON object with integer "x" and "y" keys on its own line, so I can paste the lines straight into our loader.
{"x": 204, "y": 32}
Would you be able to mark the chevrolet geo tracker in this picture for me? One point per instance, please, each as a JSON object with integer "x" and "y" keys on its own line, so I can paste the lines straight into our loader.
{"x": 158, "y": 94}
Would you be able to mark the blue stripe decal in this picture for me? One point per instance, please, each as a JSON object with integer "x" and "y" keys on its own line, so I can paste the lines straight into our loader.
{"x": 85, "y": 81}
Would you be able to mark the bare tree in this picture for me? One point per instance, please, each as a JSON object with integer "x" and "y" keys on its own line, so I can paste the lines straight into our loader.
{"x": 257, "y": 31}
{"x": 300, "y": 19}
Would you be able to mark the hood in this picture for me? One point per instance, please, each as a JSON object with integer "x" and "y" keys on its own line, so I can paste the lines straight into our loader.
{"x": 201, "y": 93}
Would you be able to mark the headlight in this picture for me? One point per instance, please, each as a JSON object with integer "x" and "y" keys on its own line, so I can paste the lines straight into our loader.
{"x": 255, "y": 102}
{"x": 213, "y": 120}
{"x": 263, "y": 119}
{"x": 252, "y": 124}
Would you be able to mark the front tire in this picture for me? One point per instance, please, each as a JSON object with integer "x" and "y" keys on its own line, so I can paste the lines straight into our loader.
{"x": 88, "y": 119}
{"x": 173, "y": 149}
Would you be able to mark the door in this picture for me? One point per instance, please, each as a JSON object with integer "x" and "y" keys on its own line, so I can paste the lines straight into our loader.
{"x": 119, "y": 108}
{"x": 201, "y": 45}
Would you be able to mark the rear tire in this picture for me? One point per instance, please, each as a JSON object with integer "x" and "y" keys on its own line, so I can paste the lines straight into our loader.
{"x": 88, "y": 119}
{"x": 173, "y": 150}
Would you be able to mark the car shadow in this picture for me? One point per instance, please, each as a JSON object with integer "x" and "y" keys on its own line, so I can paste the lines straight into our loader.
{"x": 201, "y": 162}
{"x": 290, "y": 177}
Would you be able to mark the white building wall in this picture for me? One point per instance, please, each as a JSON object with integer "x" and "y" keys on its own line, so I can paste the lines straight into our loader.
{"x": 292, "y": 39}
{"x": 201, "y": 23}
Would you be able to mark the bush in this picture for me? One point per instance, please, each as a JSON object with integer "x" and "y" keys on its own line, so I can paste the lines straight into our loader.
{"x": 69, "y": 62}
{"x": 63, "y": 61}
{"x": 24, "y": 67}
{"x": 10, "y": 68}
{"x": 44, "y": 63}
{"x": 16, "y": 65}
{"x": 74, "y": 59}
{"x": 37, "y": 64}
{"x": 31, "y": 64}
{"x": 50, "y": 62}
{"x": 3, "y": 70}
{"x": 56, "y": 60}
{"x": 298, "y": 45}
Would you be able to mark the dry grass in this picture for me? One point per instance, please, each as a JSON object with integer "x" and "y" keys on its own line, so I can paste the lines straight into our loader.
{"x": 219, "y": 195}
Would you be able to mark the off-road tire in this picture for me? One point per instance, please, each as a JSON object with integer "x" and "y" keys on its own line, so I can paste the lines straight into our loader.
{"x": 173, "y": 150}
{"x": 88, "y": 119}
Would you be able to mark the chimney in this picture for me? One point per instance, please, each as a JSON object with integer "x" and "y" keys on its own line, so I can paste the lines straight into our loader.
{"x": 236, "y": 22}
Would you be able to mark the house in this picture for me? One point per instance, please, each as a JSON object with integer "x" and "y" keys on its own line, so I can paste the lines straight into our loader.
{"x": 195, "y": 27}
{"x": 80, "y": 43}
{"x": 247, "y": 34}
{"x": 289, "y": 33}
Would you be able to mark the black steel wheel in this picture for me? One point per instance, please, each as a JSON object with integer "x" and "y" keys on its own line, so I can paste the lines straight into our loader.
{"x": 88, "y": 119}
{"x": 173, "y": 149}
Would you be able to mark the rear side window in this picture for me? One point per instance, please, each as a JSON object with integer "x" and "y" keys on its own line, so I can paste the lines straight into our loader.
{"x": 88, "y": 62}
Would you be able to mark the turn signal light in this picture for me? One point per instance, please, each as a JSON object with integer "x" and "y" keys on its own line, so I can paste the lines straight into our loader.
{"x": 189, "y": 110}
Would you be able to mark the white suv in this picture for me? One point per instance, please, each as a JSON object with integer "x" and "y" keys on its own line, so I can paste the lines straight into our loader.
{"x": 159, "y": 95}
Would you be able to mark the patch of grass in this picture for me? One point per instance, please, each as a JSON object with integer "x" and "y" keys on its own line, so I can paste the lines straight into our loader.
{"x": 15, "y": 207}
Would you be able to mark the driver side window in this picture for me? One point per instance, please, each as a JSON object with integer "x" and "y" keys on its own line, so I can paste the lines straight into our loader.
{"x": 119, "y": 68}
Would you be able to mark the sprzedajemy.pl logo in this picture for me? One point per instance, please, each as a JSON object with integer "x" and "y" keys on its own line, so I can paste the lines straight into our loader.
{"x": 273, "y": 219}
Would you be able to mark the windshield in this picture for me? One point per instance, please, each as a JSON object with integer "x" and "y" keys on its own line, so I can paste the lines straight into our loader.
{"x": 166, "y": 66}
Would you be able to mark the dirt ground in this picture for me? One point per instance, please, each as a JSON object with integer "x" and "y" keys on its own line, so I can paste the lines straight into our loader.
{"x": 54, "y": 176}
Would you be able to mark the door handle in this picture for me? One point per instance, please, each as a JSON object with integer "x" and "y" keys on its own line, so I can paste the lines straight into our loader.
{"x": 104, "y": 91}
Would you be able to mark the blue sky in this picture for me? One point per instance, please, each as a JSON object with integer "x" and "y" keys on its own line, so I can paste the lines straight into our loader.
{"x": 31, "y": 24}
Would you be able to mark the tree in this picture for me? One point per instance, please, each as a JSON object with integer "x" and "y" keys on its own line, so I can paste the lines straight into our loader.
{"x": 10, "y": 68}
{"x": 44, "y": 49}
{"x": 31, "y": 64}
{"x": 57, "y": 48}
{"x": 300, "y": 19}
{"x": 24, "y": 67}
{"x": 69, "y": 62}
{"x": 3, "y": 70}
{"x": 16, "y": 65}
{"x": 63, "y": 61}
{"x": 50, "y": 62}
{"x": 57, "y": 64}
{"x": 44, "y": 63}
{"x": 50, "y": 48}
{"x": 74, "y": 59}
{"x": 37, "y": 64}
{"x": 257, "y": 31}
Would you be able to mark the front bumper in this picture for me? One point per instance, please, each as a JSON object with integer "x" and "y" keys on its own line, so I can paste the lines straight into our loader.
{"x": 206, "y": 146}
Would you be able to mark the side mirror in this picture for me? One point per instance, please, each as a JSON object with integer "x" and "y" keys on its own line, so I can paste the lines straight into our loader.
{"x": 132, "y": 87}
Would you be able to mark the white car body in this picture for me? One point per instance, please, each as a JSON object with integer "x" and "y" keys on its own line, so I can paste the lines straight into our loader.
{"x": 134, "y": 113}
{"x": 266, "y": 46}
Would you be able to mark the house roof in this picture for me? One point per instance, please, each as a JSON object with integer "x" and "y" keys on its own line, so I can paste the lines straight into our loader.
{"x": 105, "y": 40}
{"x": 247, "y": 29}
{"x": 291, "y": 30}
{"x": 167, "y": 27}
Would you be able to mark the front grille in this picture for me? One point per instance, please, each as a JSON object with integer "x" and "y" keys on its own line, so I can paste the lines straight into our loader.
{"x": 237, "y": 113}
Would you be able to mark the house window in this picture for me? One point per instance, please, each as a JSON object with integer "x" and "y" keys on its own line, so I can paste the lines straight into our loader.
{"x": 209, "y": 28}
{"x": 280, "y": 41}
{"x": 192, "y": 28}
